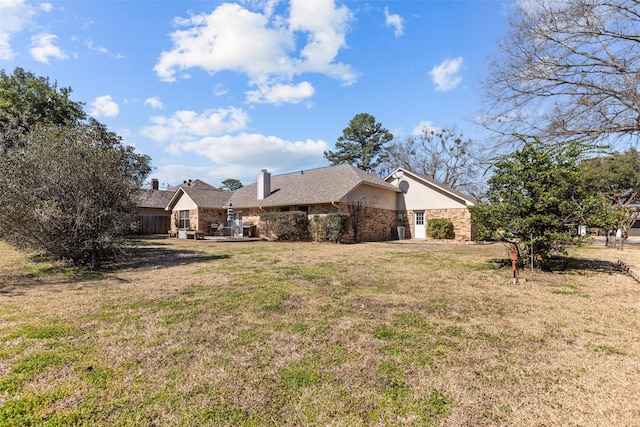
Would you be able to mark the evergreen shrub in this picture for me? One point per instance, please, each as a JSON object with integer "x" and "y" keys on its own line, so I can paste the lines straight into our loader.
{"x": 284, "y": 226}
{"x": 328, "y": 228}
{"x": 440, "y": 228}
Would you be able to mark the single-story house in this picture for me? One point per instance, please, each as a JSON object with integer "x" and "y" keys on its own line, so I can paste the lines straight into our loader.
{"x": 321, "y": 191}
{"x": 197, "y": 207}
{"x": 403, "y": 201}
{"x": 151, "y": 215}
{"x": 423, "y": 198}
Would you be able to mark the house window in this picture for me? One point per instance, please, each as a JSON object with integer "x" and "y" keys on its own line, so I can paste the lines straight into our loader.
{"x": 285, "y": 209}
{"x": 304, "y": 209}
{"x": 184, "y": 219}
{"x": 419, "y": 218}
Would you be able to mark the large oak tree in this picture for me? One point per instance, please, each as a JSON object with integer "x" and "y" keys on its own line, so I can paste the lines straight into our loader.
{"x": 68, "y": 185}
{"x": 27, "y": 100}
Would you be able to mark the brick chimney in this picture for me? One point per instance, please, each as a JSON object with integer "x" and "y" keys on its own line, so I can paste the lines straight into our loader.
{"x": 155, "y": 184}
{"x": 264, "y": 184}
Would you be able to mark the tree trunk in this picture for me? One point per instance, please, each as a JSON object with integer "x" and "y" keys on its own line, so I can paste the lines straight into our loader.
{"x": 96, "y": 259}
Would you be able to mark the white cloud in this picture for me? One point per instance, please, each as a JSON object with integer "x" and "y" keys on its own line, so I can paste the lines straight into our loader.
{"x": 446, "y": 75}
{"x": 16, "y": 15}
{"x": 425, "y": 126}
{"x": 185, "y": 125}
{"x": 262, "y": 45}
{"x": 395, "y": 21}
{"x": 104, "y": 106}
{"x": 43, "y": 48}
{"x": 5, "y": 47}
{"x": 254, "y": 151}
{"x": 267, "y": 6}
{"x": 101, "y": 49}
{"x": 280, "y": 93}
{"x": 154, "y": 102}
{"x": 46, "y": 7}
{"x": 325, "y": 26}
{"x": 230, "y": 38}
{"x": 219, "y": 90}
{"x": 173, "y": 174}
{"x": 91, "y": 45}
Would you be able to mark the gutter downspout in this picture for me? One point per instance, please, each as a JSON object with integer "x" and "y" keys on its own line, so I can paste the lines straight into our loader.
{"x": 335, "y": 206}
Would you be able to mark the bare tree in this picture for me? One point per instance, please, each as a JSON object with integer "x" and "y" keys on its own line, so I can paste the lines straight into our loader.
{"x": 443, "y": 155}
{"x": 357, "y": 216}
{"x": 567, "y": 69}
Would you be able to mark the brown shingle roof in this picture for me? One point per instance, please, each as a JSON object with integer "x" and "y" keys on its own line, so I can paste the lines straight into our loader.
{"x": 203, "y": 197}
{"x": 201, "y": 185}
{"x": 206, "y": 198}
{"x": 154, "y": 198}
{"x": 314, "y": 186}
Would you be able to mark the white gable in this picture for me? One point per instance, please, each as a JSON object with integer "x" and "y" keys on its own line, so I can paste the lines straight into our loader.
{"x": 375, "y": 197}
{"x": 422, "y": 194}
{"x": 185, "y": 203}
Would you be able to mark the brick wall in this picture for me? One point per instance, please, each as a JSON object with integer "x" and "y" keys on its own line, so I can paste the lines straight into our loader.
{"x": 200, "y": 219}
{"x": 207, "y": 216}
{"x": 461, "y": 219}
{"x": 377, "y": 225}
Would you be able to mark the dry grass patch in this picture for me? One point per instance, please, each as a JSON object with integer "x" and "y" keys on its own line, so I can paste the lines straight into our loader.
{"x": 201, "y": 333}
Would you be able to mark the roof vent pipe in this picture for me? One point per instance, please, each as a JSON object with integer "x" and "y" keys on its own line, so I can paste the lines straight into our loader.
{"x": 264, "y": 184}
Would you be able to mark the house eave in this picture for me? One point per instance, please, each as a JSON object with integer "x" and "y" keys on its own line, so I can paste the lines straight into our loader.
{"x": 174, "y": 199}
{"x": 453, "y": 194}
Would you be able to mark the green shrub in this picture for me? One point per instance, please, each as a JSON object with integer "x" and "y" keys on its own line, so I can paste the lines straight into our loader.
{"x": 440, "y": 228}
{"x": 284, "y": 226}
{"x": 328, "y": 228}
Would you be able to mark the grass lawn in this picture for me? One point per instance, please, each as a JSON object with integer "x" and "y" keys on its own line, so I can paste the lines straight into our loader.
{"x": 202, "y": 333}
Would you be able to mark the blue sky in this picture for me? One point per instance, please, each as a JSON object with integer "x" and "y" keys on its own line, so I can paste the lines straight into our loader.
{"x": 215, "y": 90}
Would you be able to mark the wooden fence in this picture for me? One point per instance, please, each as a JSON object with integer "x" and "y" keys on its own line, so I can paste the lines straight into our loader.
{"x": 153, "y": 224}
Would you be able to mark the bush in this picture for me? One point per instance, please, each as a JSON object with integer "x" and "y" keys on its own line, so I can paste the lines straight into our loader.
{"x": 74, "y": 195}
{"x": 284, "y": 226}
{"x": 440, "y": 228}
{"x": 328, "y": 228}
